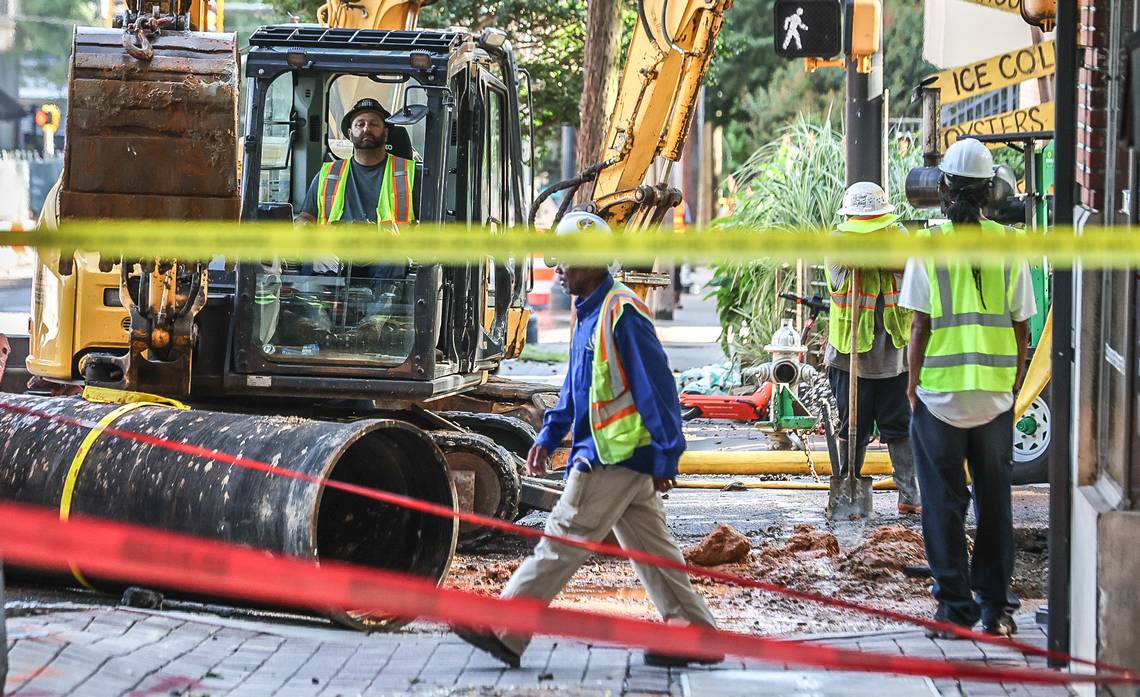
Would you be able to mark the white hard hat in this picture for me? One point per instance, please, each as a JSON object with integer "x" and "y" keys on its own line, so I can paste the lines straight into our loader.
{"x": 1006, "y": 174}
{"x": 864, "y": 199}
{"x": 968, "y": 158}
{"x": 580, "y": 221}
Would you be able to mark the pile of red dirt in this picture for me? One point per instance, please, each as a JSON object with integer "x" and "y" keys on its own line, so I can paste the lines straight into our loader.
{"x": 884, "y": 555}
{"x": 724, "y": 545}
{"x": 805, "y": 542}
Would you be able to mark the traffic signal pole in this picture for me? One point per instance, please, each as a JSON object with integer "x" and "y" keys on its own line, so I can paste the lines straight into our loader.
{"x": 811, "y": 29}
{"x": 866, "y": 122}
{"x": 850, "y": 494}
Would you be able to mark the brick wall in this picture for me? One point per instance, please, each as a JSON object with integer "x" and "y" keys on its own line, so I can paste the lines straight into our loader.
{"x": 1093, "y": 102}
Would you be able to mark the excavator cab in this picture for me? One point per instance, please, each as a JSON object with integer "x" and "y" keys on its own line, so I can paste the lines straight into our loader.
{"x": 397, "y": 332}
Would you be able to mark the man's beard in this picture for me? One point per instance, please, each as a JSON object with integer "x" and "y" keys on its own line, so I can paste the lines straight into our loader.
{"x": 367, "y": 143}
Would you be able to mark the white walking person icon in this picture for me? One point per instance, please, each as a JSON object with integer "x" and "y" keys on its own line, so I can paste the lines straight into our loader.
{"x": 792, "y": 25}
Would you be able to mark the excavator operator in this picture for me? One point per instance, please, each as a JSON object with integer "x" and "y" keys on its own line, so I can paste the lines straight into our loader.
{"x": 367, "y": 309}
{"x": 374, "y": 186}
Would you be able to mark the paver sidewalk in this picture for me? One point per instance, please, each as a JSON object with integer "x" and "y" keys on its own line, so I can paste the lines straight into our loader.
{"x": 96, "y": 651}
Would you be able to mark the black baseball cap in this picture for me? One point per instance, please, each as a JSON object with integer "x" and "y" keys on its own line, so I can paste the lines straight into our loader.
{"x": 366, "y": 104}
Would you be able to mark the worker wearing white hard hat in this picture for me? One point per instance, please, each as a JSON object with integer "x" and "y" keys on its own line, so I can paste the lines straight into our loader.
{"x": 967, "y": 359}
{"x": 867, "y": 208}
{"x": 884, "y": 330}
{"x": 619, "y": 403}
{"x": 581, "y": 221}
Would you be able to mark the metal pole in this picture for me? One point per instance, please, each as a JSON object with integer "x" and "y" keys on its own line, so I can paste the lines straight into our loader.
{"x": 1060, "y": 453}
{"x": 569, "y": 151}
{"x": 931, "y": 125}
{"x": 866, "y": 124}
{"x": 853, "y": 383}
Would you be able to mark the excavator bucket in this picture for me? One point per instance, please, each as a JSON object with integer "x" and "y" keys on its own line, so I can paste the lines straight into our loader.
{"x": 152, "y": 139}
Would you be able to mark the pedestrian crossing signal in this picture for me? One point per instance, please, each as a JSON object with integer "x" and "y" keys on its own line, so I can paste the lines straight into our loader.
{"x": 808, "y": 28}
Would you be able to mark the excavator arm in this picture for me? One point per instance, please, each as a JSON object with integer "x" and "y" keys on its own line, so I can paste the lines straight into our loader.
{"x": 371, "y": 14}
{"x": 668, "y": 58}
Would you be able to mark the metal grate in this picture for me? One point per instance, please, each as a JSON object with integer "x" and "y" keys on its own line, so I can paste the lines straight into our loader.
{"x": 294, "y": 36}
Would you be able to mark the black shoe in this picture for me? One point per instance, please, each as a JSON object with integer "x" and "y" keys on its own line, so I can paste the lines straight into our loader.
{"x": 932, "y": 633}
{"x": 490, "y": 643}
{"x": 668, "y": 660}
{"x": 1002, "y": 625}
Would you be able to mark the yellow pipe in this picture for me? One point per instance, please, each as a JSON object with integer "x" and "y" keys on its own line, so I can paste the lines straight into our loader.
{"x": 883, "y": 484}
{"x": 773, "y": 462}
{"x": 1039, "y": 372}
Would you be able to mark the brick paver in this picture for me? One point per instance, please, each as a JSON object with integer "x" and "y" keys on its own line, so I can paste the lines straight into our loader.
{"x": 109, "y": 651}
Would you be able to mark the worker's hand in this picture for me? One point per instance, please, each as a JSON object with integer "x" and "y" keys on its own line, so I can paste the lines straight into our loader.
{"x": 536, "y": 460}
{"x": 912, "y": 396}
{"x": 664, "y": 484}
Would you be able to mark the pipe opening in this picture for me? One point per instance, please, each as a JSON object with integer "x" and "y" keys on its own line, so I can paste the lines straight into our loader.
{"x": 358, "y": 530}
{"x": 785, "y": 372}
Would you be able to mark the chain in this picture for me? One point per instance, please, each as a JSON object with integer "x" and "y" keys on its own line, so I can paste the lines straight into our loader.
{"x": 803, "y": 436}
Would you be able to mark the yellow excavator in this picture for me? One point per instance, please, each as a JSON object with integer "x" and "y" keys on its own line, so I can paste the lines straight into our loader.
{"x": 380, "y": 380}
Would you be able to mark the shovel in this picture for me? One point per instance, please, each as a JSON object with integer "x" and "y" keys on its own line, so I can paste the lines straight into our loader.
{"x": 849, "y": 493}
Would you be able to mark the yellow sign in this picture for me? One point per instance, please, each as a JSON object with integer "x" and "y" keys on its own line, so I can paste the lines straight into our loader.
{"x": 1034, "y": 118}
{"x": 996, "y": 72}
{"x": 1006, "y": 5}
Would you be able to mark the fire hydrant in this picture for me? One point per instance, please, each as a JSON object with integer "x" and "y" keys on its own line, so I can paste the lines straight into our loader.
{"x": 786, "y": 370}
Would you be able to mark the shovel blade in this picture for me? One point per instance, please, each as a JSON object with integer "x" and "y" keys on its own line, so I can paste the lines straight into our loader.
{"x": 849, "y": 498}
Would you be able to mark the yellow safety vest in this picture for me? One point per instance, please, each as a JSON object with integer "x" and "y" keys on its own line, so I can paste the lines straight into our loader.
{"x": 872, "y": 284}
{"x": 615, "y": 423}
{"x": 972, "y": 343}
{"x": 394, "y": 204}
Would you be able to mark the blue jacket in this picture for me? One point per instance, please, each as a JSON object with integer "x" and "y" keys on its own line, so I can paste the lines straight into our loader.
{"x": 654, "y": 392}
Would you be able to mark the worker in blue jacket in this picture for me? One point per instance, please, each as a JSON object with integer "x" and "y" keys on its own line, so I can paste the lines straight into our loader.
{"x": 620, "y": 403}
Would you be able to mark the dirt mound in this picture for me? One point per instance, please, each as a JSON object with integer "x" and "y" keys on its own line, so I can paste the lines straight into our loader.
{"x": 483, "y": 577}
{"x": 721, "y": 546}
{"x": 888, "y": 550}
{"x": 805, "y": 542}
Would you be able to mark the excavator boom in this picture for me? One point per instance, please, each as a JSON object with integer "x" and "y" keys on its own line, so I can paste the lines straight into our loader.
{"x": 371, "y": 14}
{"x": 665, "y": 67}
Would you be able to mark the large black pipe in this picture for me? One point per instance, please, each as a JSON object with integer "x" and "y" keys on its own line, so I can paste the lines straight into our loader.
{"x": 147, "y": 484}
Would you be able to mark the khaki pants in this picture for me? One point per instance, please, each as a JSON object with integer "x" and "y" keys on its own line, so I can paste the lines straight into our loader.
{"x": 595, "y": 502}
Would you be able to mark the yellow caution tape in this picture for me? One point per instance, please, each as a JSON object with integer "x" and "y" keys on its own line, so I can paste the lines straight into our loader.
{"x": 1095, "y": 247}
{"x": 85, "y": 447}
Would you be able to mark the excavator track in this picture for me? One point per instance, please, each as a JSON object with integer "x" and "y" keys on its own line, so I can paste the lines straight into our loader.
{"x": 152, "y": 139}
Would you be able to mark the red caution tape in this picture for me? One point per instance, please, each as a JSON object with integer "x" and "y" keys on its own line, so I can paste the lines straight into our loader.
{"x": 597, "y": 547}
{"x": 35, "y": 536}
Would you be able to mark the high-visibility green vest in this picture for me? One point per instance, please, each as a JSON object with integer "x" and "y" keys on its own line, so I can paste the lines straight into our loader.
{"x": 972, "y": 343}
{"x": 872, "y": 284}
{"x": 615, "y": 423}
{"x": 394, "y": 204}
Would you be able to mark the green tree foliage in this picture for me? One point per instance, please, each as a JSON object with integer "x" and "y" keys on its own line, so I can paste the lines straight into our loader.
{"x": 43, "y": 33}
{"x": 548, "y": 36}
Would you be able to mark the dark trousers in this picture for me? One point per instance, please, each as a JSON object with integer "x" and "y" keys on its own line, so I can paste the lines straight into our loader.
{"x": 940, "y": 450}
{"x": 880, "y": 400}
